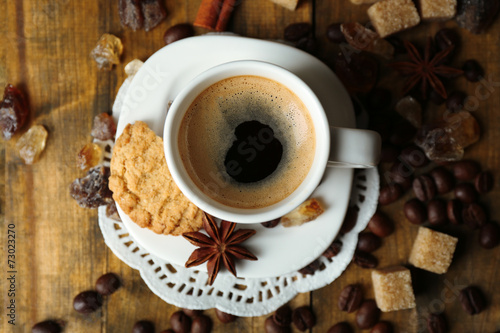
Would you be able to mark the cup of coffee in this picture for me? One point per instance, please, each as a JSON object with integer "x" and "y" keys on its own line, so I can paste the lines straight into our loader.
{"x": 249, "y": 141}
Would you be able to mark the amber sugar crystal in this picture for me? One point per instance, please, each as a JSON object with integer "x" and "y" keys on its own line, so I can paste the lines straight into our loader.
{"x": 432, "y": 251}
{"x": 393, "y": 289}
{"x": 104, "y": 127}
{"x": 13, "y": 112}
{"x": 107, "y": 52}
{"x": 89, "y": 156}
{"x": 32, "y": 143}
{"x": 391, "y": 16}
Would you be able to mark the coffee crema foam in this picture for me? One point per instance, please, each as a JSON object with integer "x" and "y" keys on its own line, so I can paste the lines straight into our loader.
{"x": 207, "y": 132}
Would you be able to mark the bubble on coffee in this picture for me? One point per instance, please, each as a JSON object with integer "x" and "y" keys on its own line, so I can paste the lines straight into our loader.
{"x": 247, "y": 142}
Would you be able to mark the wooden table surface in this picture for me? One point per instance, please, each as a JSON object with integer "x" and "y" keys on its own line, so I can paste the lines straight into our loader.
{"x": 59, "y": 248}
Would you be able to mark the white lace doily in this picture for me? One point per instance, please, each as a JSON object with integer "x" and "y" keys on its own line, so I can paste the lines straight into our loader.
{"x": 244, "y": 297}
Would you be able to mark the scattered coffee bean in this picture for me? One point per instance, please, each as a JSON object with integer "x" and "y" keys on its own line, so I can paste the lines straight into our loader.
{"x": 389, "y": 153}
{"x": 380, "y": 225}
{"x": 87, "y": 301}
{"x": 402, "y": 174}
{"x": 382, "y": 327}
{"x": 333, "y": 249}
{"x": 455, "y": 101}
{"x": 474, "y": 216}
{"x": 201, "y": 324}
{"x": 446, "y": 38}
{"x": 472, "y": 70}
{"x": 271, "y": 327}
{"x": 454, "y": 210}
{"x": 489, "y": 236}
{"x": 271, "y": 224}
{"x": 303, "y": 318}
{"x": 178, "y": 32}
{"x": 296, "y": 31}
{"x": 334, "y": 34}
{"x": 168, "y": 331}
{"x": 350, "y": 298}
{"x": 224, "y": 317}
{"x": 351, "y": 216}
{"x": 424, "y": 188}
{"x": 397, "y": 43}
{"x": 143, "y": 326}
{"x": 48, "y": 326}
{"x": 180, "y": 322}
{"x": 466, "y": 193}
{"x": 308, "y": 44}
{"x": 414, "y": 156}
{"x": 365, "y": 260}
{"x": 466, "y": 169}
{"x": 484, "y": 182}
{"x": 368, "y": 314}
{"x": 389, "y": 194}
{"x": 436, "y": 212}
{"x": 472, "y": 300}
{"x": 283, "y": 315}
{"x": 443, "y": 179}
{"x": 342, "y": 327}
{"x": 193, "y": 313}
{"x": 311, "y": 268}
{"x": 415, "y": 211}
{"x": 368, "y": 242}
{"x": 107, "y": 284}
{"x": 436, "y": 323}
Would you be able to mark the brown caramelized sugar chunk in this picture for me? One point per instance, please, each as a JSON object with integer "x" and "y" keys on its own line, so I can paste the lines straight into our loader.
{"x": 393, "y": 290}
{"x": 90, "y": 156}
{"x": 13, "y": 111}
{"x": 391, "y": 16}
{"x": 432, "y": 251}
{"x": 130, "y": 14}
{"x": 365, "y": 39}
{"x": 104, "y": 127}
{"x": 153, "y": 13}
{"x": 107, "y": 52}
{"x": 31, "y": 145}
{"x": 92, "y": 190}
{"x": 438, "y": 9}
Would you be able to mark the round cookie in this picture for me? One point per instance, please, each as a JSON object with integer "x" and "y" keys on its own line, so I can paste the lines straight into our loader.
{"x": 143, "y": 186}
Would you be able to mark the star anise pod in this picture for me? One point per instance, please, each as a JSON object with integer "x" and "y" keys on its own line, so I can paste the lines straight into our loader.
{"x": 221, "y": 245}
{"x": 425, "y": 69}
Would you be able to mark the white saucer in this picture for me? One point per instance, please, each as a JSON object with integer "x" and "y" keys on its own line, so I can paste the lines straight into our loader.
{"x": 280, "y": 250}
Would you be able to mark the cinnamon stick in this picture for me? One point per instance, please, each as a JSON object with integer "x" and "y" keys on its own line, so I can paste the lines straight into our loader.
{"x": 214, "y": 14}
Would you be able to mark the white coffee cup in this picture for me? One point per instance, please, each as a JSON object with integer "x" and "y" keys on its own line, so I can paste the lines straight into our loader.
{"x": 338, "y": 147}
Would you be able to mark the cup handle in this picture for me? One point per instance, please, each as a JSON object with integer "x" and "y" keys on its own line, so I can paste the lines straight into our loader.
{"x": 354, "y": 148}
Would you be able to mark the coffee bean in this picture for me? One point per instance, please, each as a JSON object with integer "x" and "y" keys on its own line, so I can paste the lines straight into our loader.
{"x": 474, "y": 216}
{"x": 466, "y": 193}
{"x": 296, "y": 31}
{"x": 342, "y": 327}
{"x": 489, "y": 236}
{"x": 389, "y": 153}
{"x": 389, "y": 194}
{"x": 224, "y": 317}
{"x": 443, "y": 179}
{"x": 303, "y": 318}
{"x": 334, "y": 34}
{"x": 333, "y": 249}
{"x": 107, "y": 284}
{"x": 402, "y": 173}
{"x": 424, "y": 188}
{"x": 382, "y": 327}
{"x": 48, "y": 326}
{"x": 168, "y": 331}
{"x": 350, "y": 298}
{"x": 180, "y": 322}
{"x": 398, "y": 44}
{"x": 351, "y": 216}
{"x": 368, "y": 242}
{"x": 365, "y": 260}
{"x": 380, "y": 225}
{"x": 446, "y": 38}
{"x": 414, "y": 156}
{"x": 454, "y": 210}
{"x": 472, "y": 300}
{"x": 436, "y": 212}
{"x": 87, "y": 301}
{"x": 271, "y": 224}
{"x": 178, "y": 32}
{"x": 143, "y": 326}
{"x": 311, "y": 268}
{"x": 201, "y": 324}
{"x": 415, "y": 211}
{"x": 466, "y": 169}
{"x": 472, "y": 70}
{"x": 283, "y": 315}
{"x": 455, "y": 101}
{"x": 368, "y": 314}
{"x": 308, "y": 44}
{"x": 436, "y": 323}
{"x": 484, "y": 182}
{"x": 194, "y": 313}
{"x": 271, "y": 327}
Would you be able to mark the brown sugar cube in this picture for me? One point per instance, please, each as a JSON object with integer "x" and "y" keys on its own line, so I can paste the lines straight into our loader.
{"x": 432, "y": 251}
{"x": 391, "y": 16}
{"x": 438, "y": 9}
{"x": 393, "y": 290}
{"x": 362, "y": 2}
{"x": 288, "y": 4}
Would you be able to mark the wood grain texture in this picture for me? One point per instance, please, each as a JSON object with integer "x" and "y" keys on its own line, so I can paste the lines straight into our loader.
{"x": 60, "y": 251}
